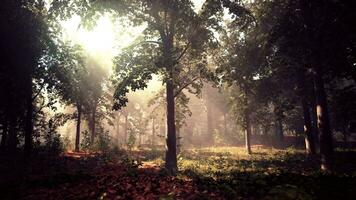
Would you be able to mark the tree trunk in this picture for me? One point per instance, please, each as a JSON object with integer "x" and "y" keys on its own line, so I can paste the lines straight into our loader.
{"x": 279, "y": 131}
{"x": 171, "y": 153}
{"x": 326, "y": 147}
{"x": 308, "y": 128}
{"x": 118, "y": 129}
{"x": 308, "y": 132}
{"x": 4, "y": 134}
{"x": 126, "y": 128}
{"x": 314, "y": 120}
{"x": 179, "y": 145}
{"x": 225, "y": 124}
{"x": 77, "y": 135}
{"x": 247, "y": 132}
{"x": 153, "y": 132}
{"x": 209, "y": 119}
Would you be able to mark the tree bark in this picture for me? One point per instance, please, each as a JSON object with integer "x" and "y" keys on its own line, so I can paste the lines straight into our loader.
{"x": 326, "y": 147}
{"x": 308, "y": 128}
{"x": 118, "y": 129}
{"x": 179, "y": 145}
{"x": 153, "y": 132}
{"x": 171, "y": 153}
{"x": 126, "y": 128}
{"x": 77, "y": 135}
{"x": 225, "y": 124}
{"x": 209, "y": 117}
{"x": 279, "y": 131}
{"x": 308, "y": 131}
{"x": 247, "y": 132}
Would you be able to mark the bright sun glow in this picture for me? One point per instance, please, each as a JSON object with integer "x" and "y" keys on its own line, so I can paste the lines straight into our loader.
{"x": 102, "y": 42}
{"x": 106, "y": 40}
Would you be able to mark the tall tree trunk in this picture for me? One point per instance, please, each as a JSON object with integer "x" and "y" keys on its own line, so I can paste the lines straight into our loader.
{"x": 29, "y": 122}
{"x": 314, "y": 119}
{"x": 77, "y": 135}
{"x": 126, "y": 128}
{"x": 247, "y": 122}
{"x": 225, "y": 124}
{"x": 171, "y": 140}
{"x": 153, "y": 132}
{"x": 248, "y": 132}
{"x": 171, "y": 153}
{"x": 326, "y": 147}
{"x": 179, "y": 145}
{"x": 308, "y": 131}
{"x": 308, "y": 128}
{"x": 118, "y": 129}
{"x": 4, "y": 134}
{"x": 279, "y": 131}
{"x": 209, "y": 117}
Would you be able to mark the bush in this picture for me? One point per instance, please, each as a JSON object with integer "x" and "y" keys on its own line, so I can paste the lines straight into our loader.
{"x": 53, "y": 143}
{"x": 86, "y": 143}
{"x": 103, "y": 142}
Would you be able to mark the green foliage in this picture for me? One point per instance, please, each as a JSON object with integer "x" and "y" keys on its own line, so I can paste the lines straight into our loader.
{"x": 85, "y": 144}
{"x": 103, "y": 142}
{"x": 46, "y": 132}
{"x": 132, "y": 139}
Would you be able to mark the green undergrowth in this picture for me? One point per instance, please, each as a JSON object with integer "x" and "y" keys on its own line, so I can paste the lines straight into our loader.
{"x": 267, "y": 174}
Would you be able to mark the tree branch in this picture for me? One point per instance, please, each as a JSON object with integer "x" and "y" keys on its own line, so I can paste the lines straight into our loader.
{"x": 183, "y": 52}
{"x": 185, "y": 86}
{"x": 38, "y": 93}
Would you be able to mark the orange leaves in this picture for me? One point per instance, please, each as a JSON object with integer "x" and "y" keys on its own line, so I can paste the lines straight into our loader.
{"x": 120, "y": 181}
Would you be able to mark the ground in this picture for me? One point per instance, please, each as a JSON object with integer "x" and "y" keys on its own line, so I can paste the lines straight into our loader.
{"x": 205, "y": 173}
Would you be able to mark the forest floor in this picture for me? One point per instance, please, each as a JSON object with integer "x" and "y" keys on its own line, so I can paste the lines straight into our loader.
{"x": 205, "y": 173}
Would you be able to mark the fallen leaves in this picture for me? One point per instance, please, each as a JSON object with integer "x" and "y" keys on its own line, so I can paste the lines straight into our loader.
{"x": 122, "y": 181}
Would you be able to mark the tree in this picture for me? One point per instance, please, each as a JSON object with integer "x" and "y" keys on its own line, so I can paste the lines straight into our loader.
{"x": 239, "y": 66}
{"x": 73, "y": 82}
{"x": 26, "y": 33}
{"x": 173, "y": 31}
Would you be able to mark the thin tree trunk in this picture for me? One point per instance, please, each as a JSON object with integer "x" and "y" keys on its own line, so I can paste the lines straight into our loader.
{"x": 118, "y": 129}
{"x": 326, "y": 147}
{"x": 179, "y": 145}
{"x": 77, "y": 135}
{"x": 171, "y": 153}
{"x": 153, "y": 132}
{"x": 225, "y": 124}
{"x": 209, "y": 120}
{"x": 126, "y": 128}
{"x": 247, "y": 132}
{"x": 279, "y": 131}
{"x": 29, "y": 121}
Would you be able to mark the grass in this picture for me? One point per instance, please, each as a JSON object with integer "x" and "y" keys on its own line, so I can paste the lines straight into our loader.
{"x": 266, "y": 174}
